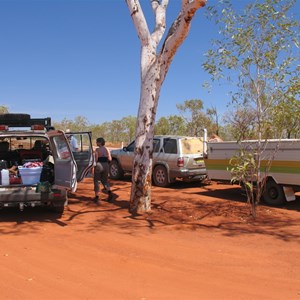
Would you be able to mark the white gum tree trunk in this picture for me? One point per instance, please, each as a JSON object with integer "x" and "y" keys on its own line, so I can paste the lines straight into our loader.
{"x": 154, "y": 67}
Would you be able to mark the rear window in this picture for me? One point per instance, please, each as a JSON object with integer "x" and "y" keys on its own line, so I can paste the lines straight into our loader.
{"x": 22, "y": 142}
{"x": 192, "y": 146}
{"x": 170, "y": 146}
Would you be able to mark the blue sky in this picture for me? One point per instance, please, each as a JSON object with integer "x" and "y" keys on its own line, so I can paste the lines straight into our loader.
{"x": 68, "y": 58}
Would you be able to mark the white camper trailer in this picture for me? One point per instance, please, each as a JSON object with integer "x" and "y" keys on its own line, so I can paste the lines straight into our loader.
{"x": 280, "y": 165}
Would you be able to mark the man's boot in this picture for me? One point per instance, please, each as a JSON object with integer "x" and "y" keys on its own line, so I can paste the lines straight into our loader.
{"x": 110, "y": 197}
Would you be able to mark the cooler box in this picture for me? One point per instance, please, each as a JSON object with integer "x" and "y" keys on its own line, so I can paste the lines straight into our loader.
{"x": 30, "y": 175}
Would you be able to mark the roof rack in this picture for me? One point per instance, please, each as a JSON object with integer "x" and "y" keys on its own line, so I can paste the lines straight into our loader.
{"x": 23, "y": 120}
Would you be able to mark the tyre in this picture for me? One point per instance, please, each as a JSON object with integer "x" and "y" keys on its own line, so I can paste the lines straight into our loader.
{"x": 160, "y": 176}
{"x": 273, "y": 194}
{"x": 58, "y": 209}
{"x": 115, "y": 170}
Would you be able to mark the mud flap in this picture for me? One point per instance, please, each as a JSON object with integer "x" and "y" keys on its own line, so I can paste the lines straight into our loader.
{"x": 289, "y": 193}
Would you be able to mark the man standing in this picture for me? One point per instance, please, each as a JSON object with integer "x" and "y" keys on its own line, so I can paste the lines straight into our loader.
{"x": 73, "y": 141}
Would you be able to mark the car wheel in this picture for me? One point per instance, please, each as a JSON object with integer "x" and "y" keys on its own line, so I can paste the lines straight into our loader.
{"x": 58, "y": 209}
{"x": 160, "y": 176}
{"x": 273, "y": 194}
{"x": 115, "y": 170}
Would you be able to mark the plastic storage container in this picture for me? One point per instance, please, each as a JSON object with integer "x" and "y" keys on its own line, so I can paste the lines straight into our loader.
{"x": 30, "y": 175}
{"x": 4, "y": 177}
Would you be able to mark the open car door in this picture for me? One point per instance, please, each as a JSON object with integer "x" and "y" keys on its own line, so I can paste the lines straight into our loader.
{"x": 71, "y": 165}
{"x": 82, "y": 150}
{"x": 64, "y": 164}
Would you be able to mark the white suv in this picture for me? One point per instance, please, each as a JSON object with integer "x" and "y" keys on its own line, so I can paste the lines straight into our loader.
{"x": 40, "y": 161}
{"x": 173, "y": 157}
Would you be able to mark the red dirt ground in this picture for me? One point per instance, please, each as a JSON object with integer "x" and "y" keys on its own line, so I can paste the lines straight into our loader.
{"x": 199, "y": 242}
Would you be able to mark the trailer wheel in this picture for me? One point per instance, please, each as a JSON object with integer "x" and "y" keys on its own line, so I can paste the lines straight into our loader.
{"x": 273, "y": 193}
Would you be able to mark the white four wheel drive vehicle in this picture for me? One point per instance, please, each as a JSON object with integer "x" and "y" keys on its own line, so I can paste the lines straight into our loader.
{"x": 173, "y": 157}
{"x": 37, "y": 164}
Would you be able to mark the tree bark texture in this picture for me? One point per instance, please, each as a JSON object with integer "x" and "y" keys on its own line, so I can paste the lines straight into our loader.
{"x": 154, "y": 67}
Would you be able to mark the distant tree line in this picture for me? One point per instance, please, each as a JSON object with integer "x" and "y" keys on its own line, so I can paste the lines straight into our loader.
{"x": 192, "y": 118}
{"x": 235, "y": 124}
{"x": 190, "y": 121}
